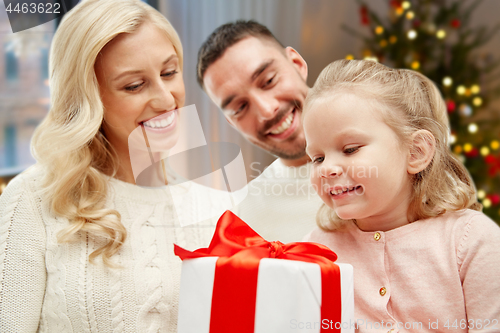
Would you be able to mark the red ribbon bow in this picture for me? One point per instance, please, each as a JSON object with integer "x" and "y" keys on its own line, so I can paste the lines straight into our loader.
{"x": 240, "y": 249}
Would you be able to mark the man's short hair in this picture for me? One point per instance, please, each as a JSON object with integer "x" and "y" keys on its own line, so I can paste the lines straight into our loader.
{"x": 224, "y": 37}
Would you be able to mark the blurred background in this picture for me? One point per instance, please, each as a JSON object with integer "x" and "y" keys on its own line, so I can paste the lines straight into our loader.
{"x": 453, "y": 42}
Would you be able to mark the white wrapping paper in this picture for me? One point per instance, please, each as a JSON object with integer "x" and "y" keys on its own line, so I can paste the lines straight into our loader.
{"x": 288, "y": 297}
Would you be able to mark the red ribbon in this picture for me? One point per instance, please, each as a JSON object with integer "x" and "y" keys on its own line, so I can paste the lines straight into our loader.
{"x": 240, "y": 249}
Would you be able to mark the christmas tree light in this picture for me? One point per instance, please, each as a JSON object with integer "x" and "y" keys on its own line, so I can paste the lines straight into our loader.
{"x": 441, "y": 34}
{"x": 447, "y": 81}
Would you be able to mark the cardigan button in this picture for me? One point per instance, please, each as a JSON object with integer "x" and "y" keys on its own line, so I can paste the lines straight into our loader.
{"x": 382, "y": 291}
{"x": 376, "y": 236}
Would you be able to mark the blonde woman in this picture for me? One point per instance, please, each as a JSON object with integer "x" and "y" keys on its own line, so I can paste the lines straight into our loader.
{"x": 82, "y": 248}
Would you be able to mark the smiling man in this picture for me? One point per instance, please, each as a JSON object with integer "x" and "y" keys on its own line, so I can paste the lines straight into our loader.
{"x": 260, "y": 87}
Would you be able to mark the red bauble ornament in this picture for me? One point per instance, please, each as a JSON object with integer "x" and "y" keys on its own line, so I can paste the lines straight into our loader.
{"x": 473, "y": 153}
{"x": 416, "y": 23}
{"x": 494, "y": 163}
{"x": 450, "y": 106}
{"x": 494, "y": 198}
{"x": 395, "y": 3}
{"x": 455, "y": 23}
{"x": 365, "y": 19}
{"x": 490, "y": 159}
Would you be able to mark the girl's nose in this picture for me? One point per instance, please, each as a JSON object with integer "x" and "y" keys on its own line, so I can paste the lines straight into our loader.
{"x": 331, "y": 171}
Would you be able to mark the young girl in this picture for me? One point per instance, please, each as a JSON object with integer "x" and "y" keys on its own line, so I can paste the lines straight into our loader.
{"x": 398, "y": 205}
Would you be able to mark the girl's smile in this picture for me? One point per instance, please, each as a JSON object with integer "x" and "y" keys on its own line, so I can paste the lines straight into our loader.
{"x": 340, "y": 192}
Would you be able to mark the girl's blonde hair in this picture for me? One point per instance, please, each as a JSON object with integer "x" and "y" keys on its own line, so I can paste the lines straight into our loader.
{"x": 70, "y": 144}
{"x": 408, "y": 102}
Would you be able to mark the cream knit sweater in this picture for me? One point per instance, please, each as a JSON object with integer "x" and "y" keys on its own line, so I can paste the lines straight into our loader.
{"x": 50, "y": 287}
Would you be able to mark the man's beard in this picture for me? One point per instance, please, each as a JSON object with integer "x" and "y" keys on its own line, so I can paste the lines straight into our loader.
{"x": 291, "y": 154}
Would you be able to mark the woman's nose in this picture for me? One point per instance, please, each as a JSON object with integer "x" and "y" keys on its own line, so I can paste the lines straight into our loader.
{"x": 162, "y": 97}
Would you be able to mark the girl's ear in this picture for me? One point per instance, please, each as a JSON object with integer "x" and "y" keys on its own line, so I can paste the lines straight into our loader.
{"x": 422, "y": 149}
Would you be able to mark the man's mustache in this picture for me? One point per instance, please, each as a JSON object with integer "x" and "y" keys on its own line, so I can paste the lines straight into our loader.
{"x": 279, "y": 116}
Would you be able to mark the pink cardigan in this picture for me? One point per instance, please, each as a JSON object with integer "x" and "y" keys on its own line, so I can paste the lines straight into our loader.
{"x": 440, "y": 274}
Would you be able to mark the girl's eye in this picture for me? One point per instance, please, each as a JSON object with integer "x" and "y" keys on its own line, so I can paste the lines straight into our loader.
{"x": 169, "y": 74}
{"x": 351, "y": 150}
{"x": 318, "y": 160}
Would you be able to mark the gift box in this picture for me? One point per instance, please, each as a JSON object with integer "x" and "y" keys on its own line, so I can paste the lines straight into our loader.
{"x": 243, "y": 283}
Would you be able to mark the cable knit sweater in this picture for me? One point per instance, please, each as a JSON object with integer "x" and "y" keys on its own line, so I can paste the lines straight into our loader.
{"x": 51, "y": 287}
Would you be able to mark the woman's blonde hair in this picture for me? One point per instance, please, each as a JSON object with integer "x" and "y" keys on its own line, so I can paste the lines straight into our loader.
{"x": 408, "y": 102}
{"x": 69, "y": 143}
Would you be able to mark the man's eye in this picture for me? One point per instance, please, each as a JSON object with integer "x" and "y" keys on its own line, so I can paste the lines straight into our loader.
{"x": 351, "y": 150}
{"x": 270, "y": 81}
{"x": 240, "y": 109}
{"x": 318, "y": 160}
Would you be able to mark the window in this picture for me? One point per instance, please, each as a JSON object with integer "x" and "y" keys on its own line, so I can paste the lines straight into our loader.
{"x": 24, "y": 92}
{"x": 11, "y": 65}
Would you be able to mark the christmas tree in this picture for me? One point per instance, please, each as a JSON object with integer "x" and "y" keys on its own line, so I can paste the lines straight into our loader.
{"x": 435, "y": 37}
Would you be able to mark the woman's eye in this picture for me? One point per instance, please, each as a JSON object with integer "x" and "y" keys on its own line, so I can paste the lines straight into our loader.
{"x": 318, "y": 159}
{"x": 351, "y": 150}
{"x": 169, "y": 74}
{"x": 137, "y": 86}
{"x": 134, "y": 87}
